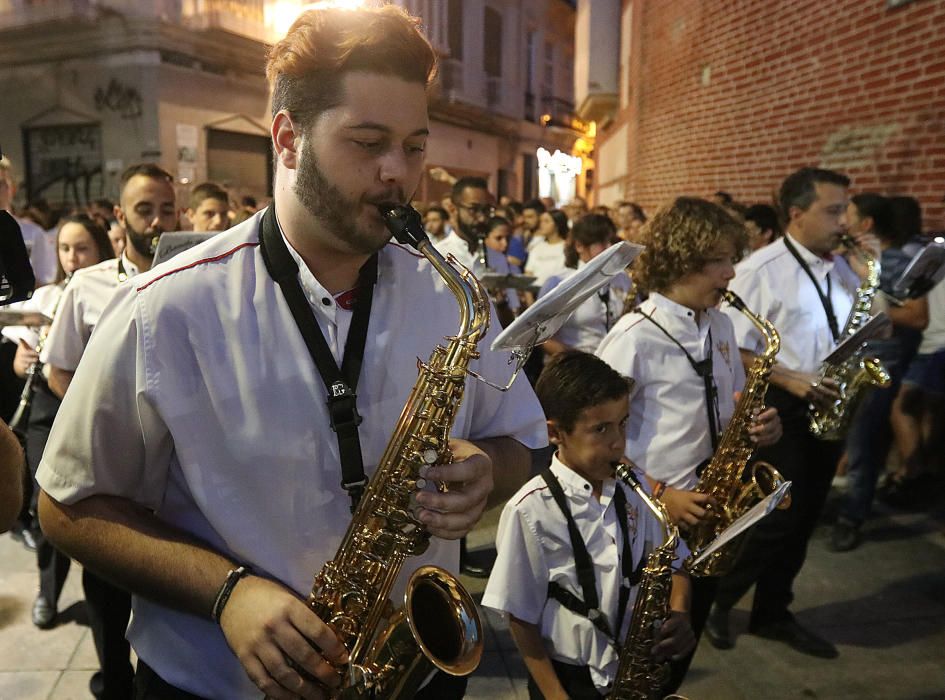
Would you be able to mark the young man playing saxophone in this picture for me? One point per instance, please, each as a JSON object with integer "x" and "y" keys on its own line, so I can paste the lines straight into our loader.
{"x": 216, "y": 497}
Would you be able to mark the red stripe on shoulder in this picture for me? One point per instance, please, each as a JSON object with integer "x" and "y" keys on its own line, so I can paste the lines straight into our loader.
{"x": 215, "y": 258}
{"x": 535, "y": 490}
{"x": 407, "y": 250}
{"x": 634, "y": 324}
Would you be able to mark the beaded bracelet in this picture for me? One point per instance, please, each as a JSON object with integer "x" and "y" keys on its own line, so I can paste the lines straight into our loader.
{"x": 232, "y": 578}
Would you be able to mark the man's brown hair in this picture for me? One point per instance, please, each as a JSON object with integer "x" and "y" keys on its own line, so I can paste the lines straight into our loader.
{"x": 307, "y": 67}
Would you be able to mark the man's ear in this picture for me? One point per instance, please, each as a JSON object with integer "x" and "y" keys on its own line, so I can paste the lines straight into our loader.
{"x": 119, "y": 216}
{"x": 285, "y": 139}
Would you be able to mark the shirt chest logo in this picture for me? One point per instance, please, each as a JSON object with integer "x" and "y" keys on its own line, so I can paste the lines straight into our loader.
{"x": 724, "y": 351}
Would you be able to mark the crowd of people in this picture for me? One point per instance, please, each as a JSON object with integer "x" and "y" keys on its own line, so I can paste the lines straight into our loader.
{"x": 181, "y": 447}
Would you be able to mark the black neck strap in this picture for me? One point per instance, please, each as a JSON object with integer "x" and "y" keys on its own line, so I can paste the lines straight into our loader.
{"x": 704, "y": 369}
{"x": 341, "y": 383}
{"x": 589, "y": 607}
{"x": 825, "y": 300}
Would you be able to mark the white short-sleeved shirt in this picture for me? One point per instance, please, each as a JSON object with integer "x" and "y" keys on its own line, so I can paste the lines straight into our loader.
{"x": 544, "y": 260}
{"x": 455, "y": 245}
{"x": 79, "y": 310}
{"x": 591, "y": 321}
{"x": 45, "y": 300}
{"x": 198, "y": 399}
{"x": 534, "y": 548}
{"x": 41, "y": 246}
{"x": 773, "y": 285}
{"x": 668, "y": 432}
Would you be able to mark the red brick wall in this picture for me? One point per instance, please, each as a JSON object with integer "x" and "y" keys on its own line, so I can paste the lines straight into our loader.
{"x": 847, "y": 84}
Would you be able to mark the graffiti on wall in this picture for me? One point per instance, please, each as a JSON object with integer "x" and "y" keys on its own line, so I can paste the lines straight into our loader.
{"x": 64, "y": 163}
{"x": 122, "y": 99}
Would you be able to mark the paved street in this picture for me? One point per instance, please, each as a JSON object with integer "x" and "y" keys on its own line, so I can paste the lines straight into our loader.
{"x": 884, "y": 604}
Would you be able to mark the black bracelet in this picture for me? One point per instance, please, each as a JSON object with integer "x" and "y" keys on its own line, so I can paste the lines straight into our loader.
{"x": 232, "y": 578}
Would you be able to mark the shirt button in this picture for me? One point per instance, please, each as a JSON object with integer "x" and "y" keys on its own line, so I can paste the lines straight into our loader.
{"x": 587, "y": 487}
{"x": 326, "y": 301}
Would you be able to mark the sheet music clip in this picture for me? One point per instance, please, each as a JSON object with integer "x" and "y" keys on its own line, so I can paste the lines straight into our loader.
{"x": 756, "y": 513}
{"x": 922, "y": 273}
{"x": 173, "y": 242}
{"x": 544, "y": 318}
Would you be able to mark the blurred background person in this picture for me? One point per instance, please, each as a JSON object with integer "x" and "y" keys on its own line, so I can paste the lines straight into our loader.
{"x": 762, "y": 224}
{"x": 209, "y": 208}
{"x": 629, "y": 219}
{"x": 436, "y": 222}
{"x": 546, "y": 254}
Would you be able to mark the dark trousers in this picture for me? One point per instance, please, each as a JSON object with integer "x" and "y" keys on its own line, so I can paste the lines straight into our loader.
{"x": 777, "y": 547}
{"x": 868, "y": 446}
{"x": 150, "y": 686}
{"x": 575, "y": 679}
{"x": 53, "y": 564}
{"x": 703, "y": 595}
{"x": 109, "y": 610}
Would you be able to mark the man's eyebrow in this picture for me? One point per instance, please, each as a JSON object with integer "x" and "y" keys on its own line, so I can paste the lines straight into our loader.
{"x": 386, "y": 129}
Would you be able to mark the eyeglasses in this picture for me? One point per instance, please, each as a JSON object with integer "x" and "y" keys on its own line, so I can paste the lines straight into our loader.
{"x": 486, "y": 210}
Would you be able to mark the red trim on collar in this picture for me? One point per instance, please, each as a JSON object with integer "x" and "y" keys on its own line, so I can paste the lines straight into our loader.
{"x": 536, "y": 490}
{"x": 215, "y": 258}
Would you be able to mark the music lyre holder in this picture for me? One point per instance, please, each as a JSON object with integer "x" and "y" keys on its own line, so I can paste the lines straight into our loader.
{"x": 543, "y": 319}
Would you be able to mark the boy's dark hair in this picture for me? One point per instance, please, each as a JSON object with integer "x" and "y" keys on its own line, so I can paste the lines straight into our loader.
{"x": 439, "y": 210}
{"x": 467, "y": 183}
{"x": 765, "y": 217}
{"x": 573, "y": 381}
{"x": 207, "y": 190}
{"x": 593, "y": 228}
{"x": 876, "y": 206}
{"x": 905, "y": 217}
{"x": 534, "y": 204}
{"x": 724, "y": 198}
{"x": 561, "y": 221}
{"x": 799, "y": 189}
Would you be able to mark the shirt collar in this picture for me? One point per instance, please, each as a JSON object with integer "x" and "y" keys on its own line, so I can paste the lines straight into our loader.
{"x": 680, "y": 313}
{"x": 319, "y": 298}
{"x": 575, "y": 485}
{"x": 818, "y": 265}
{"x": 130, "y": 268}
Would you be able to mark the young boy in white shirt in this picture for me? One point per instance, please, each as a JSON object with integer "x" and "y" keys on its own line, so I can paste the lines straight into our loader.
{"x": 569, "y": 626}
{"x": 683, "y": 357}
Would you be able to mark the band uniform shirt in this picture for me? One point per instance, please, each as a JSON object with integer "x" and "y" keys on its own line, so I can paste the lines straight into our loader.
{"x": 80, "y": 309}
{"x": 587, "y": 326}
{"x": 774, "y": 286}
{"x": 41, "y": 246}
{"x": 668, "y": 433}
{"x": 197, "y": 399}
{"x": 933, "y": 337}
{"x": 456, "y": 245}
{"x": 534, "y": 548}
{"x": 544, "y": 260}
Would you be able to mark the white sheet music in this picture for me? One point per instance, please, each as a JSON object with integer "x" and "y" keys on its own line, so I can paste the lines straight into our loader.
{"x": 759, "y": 511}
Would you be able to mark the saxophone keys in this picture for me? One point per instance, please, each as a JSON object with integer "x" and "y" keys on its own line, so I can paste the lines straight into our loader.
{"x": 429, "y": 456}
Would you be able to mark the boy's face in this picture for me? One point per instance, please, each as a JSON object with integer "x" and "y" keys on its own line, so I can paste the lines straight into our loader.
{"x": 597, "y": 440}
{"x": 702, "y": 290}
{"x": 210, "y": 215}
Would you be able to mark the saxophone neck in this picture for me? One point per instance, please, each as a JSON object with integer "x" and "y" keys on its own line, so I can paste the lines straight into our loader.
{"x": 625, "y": 473}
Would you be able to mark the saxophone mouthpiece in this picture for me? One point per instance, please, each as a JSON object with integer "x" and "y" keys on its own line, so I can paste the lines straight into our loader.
{"x": 404, "y": 223}
{"x": 733, "y": 299}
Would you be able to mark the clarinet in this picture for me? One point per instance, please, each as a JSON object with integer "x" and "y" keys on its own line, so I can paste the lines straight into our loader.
{"x": 21, "y": 417}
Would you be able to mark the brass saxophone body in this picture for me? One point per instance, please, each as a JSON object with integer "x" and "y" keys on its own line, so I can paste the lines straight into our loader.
{"x": 858, "y": 372}
{"x": 639, "y": 676}
{"x": 392, "y": 650}
{"x": 722, "y": 478}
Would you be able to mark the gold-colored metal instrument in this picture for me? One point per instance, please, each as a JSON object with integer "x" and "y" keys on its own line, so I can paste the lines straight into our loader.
{"x": 639, "y": 675}
{"x": 855, "y": 375}
{"x": 722, "y": 478}
{"x": 438, "y": 627}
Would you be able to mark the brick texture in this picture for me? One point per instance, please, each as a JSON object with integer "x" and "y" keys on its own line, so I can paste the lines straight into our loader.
{"x": 736, "y": 94}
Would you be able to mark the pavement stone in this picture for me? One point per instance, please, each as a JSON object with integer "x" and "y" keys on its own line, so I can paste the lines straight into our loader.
{"x": 883, "y": 604}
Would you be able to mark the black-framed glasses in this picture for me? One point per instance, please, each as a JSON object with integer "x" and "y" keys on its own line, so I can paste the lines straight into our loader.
{"x": 486, "y": 210}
